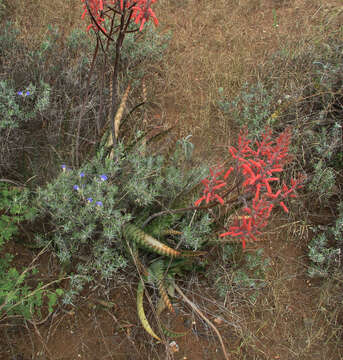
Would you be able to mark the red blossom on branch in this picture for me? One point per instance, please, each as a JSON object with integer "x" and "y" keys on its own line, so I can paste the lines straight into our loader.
{"x": 258, "y": 166}
{"x": 140, "y": 11}
{"x": 212, "y": 185}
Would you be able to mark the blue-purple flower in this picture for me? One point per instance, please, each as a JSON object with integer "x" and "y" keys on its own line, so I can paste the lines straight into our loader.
{"x": 27, "y": 93}
{"x": 76, "y": 187}
{"x": 103, "y": 177}
{"x": 99, "y": 203}
{"x": 82, "y": 174}
{"x": 64, "y": 167}
{"x": 89, "y": 200}
{"x": 20, "y": 93}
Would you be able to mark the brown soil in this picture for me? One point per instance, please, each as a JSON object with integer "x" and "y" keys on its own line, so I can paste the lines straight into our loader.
{"x": 291, "y": 315}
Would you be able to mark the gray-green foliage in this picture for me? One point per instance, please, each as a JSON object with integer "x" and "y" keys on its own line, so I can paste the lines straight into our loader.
{"x": 323, "y": 181}
{"x": 56, "y": 73}
{"x": 325, "y": 249}
{"x": 87, "y": 210}
{"x": 39, "y": 95}
{"x": 141, "y": 48}
{"x": 252, "y": 107}
{"x": 195, "y": 230}
{"x": 246, "y": 272}
{"x": 21, "y": 105}
{"x": 326, "y": 161}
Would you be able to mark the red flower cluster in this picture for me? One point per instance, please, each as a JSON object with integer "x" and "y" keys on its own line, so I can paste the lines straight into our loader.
{"x": 212, "y": 186}
{"x": 258, "y": 170}
{"x": 141, "y": 11}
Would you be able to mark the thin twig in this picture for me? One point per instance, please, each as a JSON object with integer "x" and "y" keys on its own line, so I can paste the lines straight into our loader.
{"x": 190, "y": 208}
{"x": 11, "y": 182}
{"x": 45, "y": 346}
{"x": 196, "y": 309}
{"x": 83, "y": 109}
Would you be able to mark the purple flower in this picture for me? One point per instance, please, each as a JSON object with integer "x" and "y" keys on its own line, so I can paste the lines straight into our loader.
{"x": 103, "y": 177}
{"x": 20, "y": 93}
{"x": 64, "y": 167}
{"x": 99, "y": 203}
{"x": 89, "y": 200}
{"x": 82, "y": 175}
{"x": 27, "y": 93}
{"x": 76, "y": 187}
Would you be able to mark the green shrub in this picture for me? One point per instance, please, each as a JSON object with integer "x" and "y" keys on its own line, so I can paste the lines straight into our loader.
{"x": 88, "y": 207}
{"x": 16, "y": 296}
{"x": 14, "y": 208}
{"x": 253, "y": 107}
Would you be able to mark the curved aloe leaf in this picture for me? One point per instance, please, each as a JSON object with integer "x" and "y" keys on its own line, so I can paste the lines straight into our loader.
{"x": 133, "y": 233}
{"x": 141, "y": 313}
{"x": 173, "y": 334}
{"x": 164, "y": 296}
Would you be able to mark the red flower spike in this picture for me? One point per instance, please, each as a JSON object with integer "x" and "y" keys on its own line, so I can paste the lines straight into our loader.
{"x": 282, "y": 204}
{"x": 269, "y": 210}
{"x": 274, "y": 196}
{"x": 212, "y": 185}
{"x": 258, "y": 165}
{"x": 276, "y": 170}
{"x": 248, "y": 170}
{"x": 233, "y": 151}
{"x": 228, "y": 173}
{"x": 257, "y": 194}
{"x": 221, "y": 201}
{"x": 267, "y": 186}
{"x": 255, "y": 163}
{"x": 199, "y": 201}
{"x": 219, "y": 186}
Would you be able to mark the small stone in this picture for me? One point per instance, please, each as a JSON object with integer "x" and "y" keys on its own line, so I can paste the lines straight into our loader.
{"x": 174, "y": 346}
{"x": 218, "y": 321}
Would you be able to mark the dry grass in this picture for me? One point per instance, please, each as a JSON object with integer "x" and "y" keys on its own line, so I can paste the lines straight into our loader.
{"x": 34, "y": 17}
{"x": 224, "y": 46}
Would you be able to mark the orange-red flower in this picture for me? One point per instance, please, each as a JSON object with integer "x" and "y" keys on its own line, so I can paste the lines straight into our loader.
{"x": 259, "y": 167}
{"x": 140, "y": 10}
